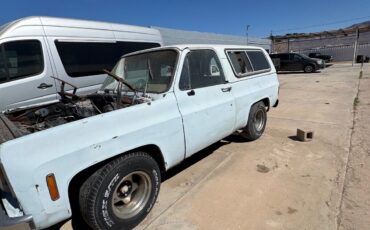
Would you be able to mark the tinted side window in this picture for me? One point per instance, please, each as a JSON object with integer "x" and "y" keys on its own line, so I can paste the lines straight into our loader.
{"x": 240, "y": 62}
{"x": 283, "y": 56}
{"x": 90, "y": 58}
{"x": 201, "y": 68}
{"x": 3, "y": 71}
{"x": 259, "y": 61}
{"x": 297, "y": 57}
{"x": 20, "y": 59}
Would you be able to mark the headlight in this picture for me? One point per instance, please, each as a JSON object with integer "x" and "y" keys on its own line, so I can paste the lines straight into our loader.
{"x": 319, "y": 62}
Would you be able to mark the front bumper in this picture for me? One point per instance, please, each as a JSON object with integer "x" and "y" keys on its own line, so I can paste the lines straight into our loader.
{"x": 25, "y": 222}
{"x": 11, "y": 216}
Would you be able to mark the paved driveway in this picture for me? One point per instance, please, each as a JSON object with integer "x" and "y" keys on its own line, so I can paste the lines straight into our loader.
{"x": 275, "y": 182}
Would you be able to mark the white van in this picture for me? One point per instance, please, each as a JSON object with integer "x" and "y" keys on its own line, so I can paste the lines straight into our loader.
{"x": 33, "y": 50}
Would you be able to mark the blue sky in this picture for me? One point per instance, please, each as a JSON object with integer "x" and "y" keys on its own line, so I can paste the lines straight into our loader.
{"x": 227, "y": 17}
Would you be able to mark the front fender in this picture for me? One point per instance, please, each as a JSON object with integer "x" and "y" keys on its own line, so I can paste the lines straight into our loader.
{"x": 68, "y": 149}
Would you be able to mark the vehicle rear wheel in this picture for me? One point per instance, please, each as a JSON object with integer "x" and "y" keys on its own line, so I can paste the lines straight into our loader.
{"x": 309, "y": 69}
{"x": 256, "y": 122}
{"x": 120, "y": 194}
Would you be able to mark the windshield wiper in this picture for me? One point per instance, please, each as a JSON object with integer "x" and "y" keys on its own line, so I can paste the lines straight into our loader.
{"x": 119, "y": 88}
{"x": 117, "y": 78}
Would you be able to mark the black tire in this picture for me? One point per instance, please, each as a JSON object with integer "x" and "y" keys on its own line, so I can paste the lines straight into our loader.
{"x": 309, "y": 69}
{"x": 256, "y": 122}
{"x": 133, "y": 178}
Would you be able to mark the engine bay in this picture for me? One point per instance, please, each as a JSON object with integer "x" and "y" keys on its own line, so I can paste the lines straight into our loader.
{"x": 44, "y": 117}
{"x": 70, "y": 107}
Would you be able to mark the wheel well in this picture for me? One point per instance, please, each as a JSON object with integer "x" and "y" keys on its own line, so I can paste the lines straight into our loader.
{"x": 266, "y": 101}
{"x": 155, "y": 152}
{"x": 79, "y": 178}
{"x": 310, "y": 64}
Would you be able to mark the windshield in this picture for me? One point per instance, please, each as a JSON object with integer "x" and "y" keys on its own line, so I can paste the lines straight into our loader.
{"x": 148, "y": 72}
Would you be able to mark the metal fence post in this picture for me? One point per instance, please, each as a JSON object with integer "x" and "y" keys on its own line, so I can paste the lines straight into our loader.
{"x": 355, "y": 47}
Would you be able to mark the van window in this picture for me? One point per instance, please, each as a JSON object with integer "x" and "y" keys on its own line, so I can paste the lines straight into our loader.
{"x": 20, "y": 59}
{"x": 240, "y": 62}
{"x": 3, "y": 74}
{"x": 259, "y": 61}
{"x": 201, "y": 68}
{"x": 90, "y": 58}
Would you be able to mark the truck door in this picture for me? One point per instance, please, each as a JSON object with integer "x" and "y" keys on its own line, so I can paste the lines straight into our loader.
{"x": 25, "y": 73}
{"x": 284, "y": 61}
{"x": 297, "y": 62}
{"x": 205, "y": 100}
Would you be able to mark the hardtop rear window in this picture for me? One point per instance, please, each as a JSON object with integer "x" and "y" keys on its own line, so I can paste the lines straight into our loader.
{"x": 259, "y": 61}
{"x": 248, "y": 62}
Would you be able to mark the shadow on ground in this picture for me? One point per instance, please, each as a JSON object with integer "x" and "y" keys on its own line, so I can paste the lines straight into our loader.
{"x": 296, "y": 72}
{"x": 77, "y": 220}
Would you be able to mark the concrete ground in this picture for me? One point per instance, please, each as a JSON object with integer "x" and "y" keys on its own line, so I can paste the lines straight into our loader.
{"x": 275, "y": 182}
{"x": 278, "y": 182}
{"x": 355, "y": 209}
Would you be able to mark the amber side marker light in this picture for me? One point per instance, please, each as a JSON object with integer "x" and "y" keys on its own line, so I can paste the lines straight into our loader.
{"x": 52, "y": 186}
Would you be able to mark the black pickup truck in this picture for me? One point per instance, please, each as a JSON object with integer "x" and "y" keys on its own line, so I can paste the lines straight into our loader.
{"x": 326, "y": 58}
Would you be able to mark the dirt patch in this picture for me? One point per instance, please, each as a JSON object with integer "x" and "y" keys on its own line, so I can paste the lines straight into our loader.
{"x": 262, "y": 169}
{"x": 291, "y": 210}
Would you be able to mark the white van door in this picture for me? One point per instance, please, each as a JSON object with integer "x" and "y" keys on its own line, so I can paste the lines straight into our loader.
{"x": 25, "y": 73}
{"x": 205, "y": 101}
{"x": 80, "y": 62}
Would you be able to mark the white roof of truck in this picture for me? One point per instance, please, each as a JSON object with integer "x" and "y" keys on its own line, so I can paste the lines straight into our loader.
{"x": 213, "y": 46}
{"x": 200, "y": 46}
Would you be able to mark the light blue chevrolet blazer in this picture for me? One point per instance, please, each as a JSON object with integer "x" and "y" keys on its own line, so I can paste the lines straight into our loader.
{"x": 100, "y": 157}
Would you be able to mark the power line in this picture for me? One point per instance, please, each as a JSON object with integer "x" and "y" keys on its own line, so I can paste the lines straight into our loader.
{"x": 320, "y": 25}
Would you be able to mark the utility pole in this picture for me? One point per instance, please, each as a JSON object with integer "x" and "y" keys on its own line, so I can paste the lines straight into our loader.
{"x": 356, "y": 45}
{"x": 272, "y": 42}
{"x": 247, "y": 33}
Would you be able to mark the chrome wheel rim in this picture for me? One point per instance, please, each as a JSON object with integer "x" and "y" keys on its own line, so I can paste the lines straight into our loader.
{"x": 131, "y": 194}
{"x": 308, "y": 69}
{"x": 259, "y": 120}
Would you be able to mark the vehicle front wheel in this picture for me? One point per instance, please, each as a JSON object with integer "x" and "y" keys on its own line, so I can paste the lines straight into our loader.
{"x": 309, "y": 69}
{"x": 256, "y": 122}
{"x": 120, "y": 194}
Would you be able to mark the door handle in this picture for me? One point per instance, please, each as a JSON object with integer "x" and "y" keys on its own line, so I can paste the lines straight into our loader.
{"x": 227, "y": 89}
{"x": 44, "y": 86}
{"x": 191, "y": 93}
